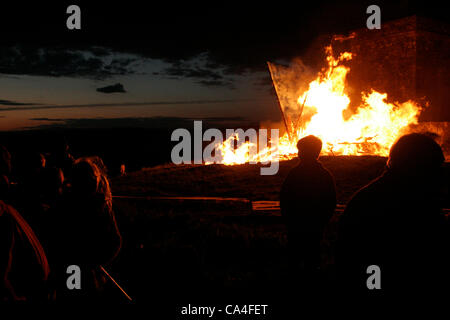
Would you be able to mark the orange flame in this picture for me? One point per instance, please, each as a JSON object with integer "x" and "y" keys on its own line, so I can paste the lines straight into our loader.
{"x": 372, "y": 129}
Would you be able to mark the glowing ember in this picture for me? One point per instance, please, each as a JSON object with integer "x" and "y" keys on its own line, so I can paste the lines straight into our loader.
{"x": 319, "y": 110}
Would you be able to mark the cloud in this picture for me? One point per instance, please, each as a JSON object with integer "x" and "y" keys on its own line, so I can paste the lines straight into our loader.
{"x": 100, "y": 63}
{"x": 14, "y": 103}
{"x": 187, "y": 71}
{"x": 203, "y": 71}
{"x": 92, "y": 62}
{"x": 227, "y": 49}
{"x": 118, "y": 87}
{"x": 217, "y": 83}
{"x": 144, "y": 122}
{"x": 121, "y": 104}
{"x": 236, "y": 40}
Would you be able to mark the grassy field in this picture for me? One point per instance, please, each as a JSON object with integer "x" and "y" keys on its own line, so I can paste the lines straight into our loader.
{"x": 350, "y": 172}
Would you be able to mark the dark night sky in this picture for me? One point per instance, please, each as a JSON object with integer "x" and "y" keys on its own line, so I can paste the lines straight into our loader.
{"x": 144, "y": 60}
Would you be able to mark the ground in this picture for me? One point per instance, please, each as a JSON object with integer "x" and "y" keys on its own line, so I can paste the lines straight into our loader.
{"x": 176, "y": 246}
{"x": 242, "y": 181}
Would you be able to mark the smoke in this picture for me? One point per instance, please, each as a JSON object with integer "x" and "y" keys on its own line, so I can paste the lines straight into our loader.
{"x": 268, "y": 124}
{"x": 290, "y": 82}
{"x": 439, "y": 131}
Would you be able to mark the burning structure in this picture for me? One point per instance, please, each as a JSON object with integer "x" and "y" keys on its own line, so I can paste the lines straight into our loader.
{"x": 409, "y": 59}
{"x": 376, "y": 86}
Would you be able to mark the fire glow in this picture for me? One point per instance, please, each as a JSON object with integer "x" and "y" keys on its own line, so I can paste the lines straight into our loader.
{"x": 320, "y": 110}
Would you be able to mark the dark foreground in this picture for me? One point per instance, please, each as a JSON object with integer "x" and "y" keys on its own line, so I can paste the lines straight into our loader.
{"x": 187, "y": 251}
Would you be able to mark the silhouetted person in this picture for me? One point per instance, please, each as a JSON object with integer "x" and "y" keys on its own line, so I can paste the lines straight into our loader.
{"x": 307, "y": 200}
{"x": 396, "y": 223}
{"x": 88, "y": 235}
{"x": 40, "y": 209}
{"x": 62, "y": 158}
{"x": 32, "y": 202}
{"x": 5, "y": 161}
{"x": 5, "y": 172}
{"x": 24, "y": 267}
{"x": 32, "y": 176}
{"x": 52, "y": 186}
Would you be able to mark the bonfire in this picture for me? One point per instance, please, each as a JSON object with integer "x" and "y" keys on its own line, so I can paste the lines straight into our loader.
{"x": 323, "y": 109}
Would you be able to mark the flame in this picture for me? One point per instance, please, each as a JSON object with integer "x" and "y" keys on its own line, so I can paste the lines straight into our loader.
{"x": 320, "y": 111}
{"x": 232, "y": 155}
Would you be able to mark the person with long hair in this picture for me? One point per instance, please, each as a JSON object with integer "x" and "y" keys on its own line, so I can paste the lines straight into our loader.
{"x": 24, "y": 268}
{"x": 87, "y": 235}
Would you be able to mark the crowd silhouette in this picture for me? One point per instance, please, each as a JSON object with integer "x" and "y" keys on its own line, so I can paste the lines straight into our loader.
{"x": 58, "y": 212}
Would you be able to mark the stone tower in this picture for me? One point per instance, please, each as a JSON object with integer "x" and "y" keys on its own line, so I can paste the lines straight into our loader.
{"x": 407, "y": 58}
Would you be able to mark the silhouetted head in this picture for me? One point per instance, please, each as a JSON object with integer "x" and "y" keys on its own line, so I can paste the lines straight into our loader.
{"x": 5, "y": 161}
{"x": 38, "y": 161}
{"x": 53, "y": 182}
{"x": 61, "y": 145}
{"x": 89, "y": 179}
{"x": 309, "y": 148}
{"x": 415, "y": 154}
{"x": 4, "y": 187}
